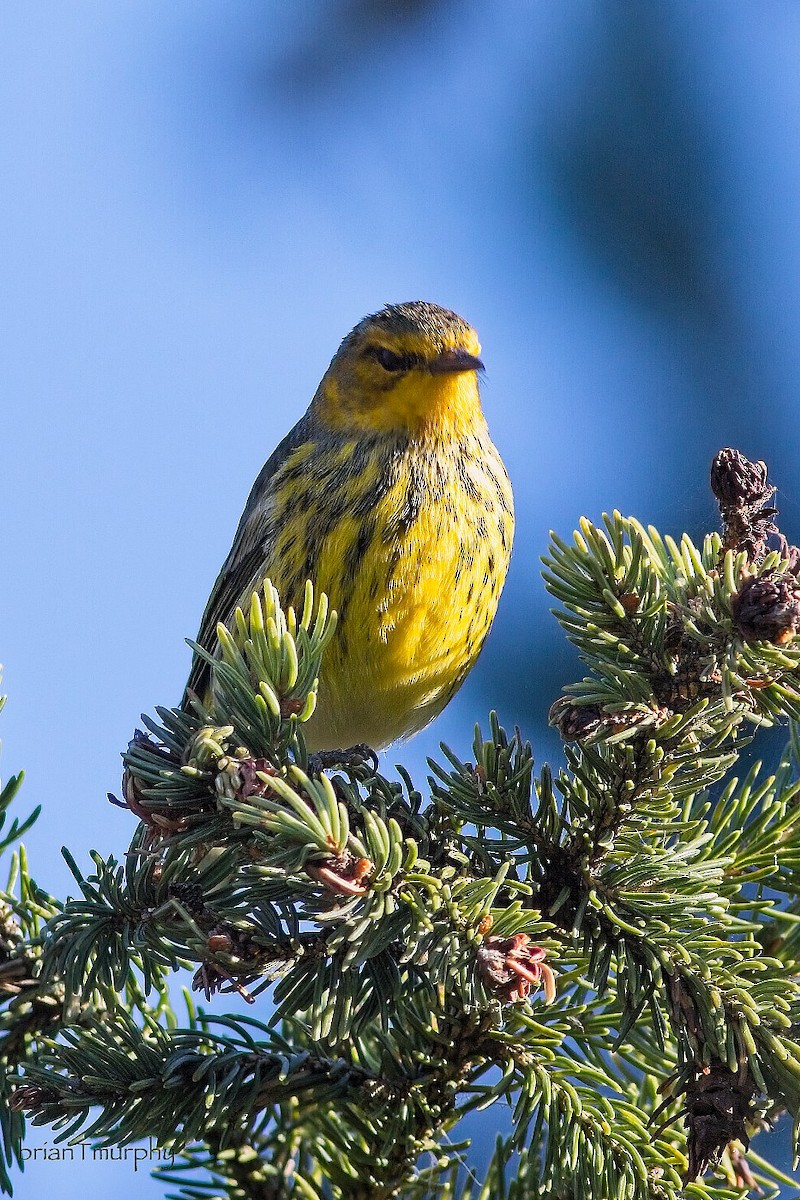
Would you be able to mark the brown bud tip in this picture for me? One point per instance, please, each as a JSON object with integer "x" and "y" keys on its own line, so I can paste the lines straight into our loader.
{"x": 630, "y": 602}
{"x": 767, "y": 608}
{"x": 718, "y": 1105}
{"x": 737, "y": 482}
{"x": 219, "y": 943}
{"x": 249, "y": 770}
{"x": 574, "y": 721}
{"x": 511, "y": 966}
{"x": 361, "y": 869}
{"x": 29, "y": 1097}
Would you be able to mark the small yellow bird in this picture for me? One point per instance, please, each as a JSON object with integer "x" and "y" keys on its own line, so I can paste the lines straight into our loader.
{"x": 391, "y": 497}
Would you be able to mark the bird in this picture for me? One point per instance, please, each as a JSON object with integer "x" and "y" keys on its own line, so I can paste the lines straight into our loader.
{"x": 390, "y": 496}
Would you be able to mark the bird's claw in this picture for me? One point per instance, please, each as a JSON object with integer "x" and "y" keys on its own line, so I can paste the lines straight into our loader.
{"x": 354, "y": 756}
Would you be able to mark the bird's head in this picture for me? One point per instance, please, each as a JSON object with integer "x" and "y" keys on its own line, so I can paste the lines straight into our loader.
{"x": 401, "y": 369}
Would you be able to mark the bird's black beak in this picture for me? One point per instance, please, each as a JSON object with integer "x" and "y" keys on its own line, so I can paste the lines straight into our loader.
{"x": 454, "y": 361}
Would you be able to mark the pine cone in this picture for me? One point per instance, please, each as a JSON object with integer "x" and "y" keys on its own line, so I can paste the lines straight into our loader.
{"x": 767, "y": 608}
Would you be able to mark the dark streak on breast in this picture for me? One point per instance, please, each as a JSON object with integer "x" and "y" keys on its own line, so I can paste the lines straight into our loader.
{"x": 466, "y": 481}
{"x": 500, "y": 489}
{"x": 356, "y": 552}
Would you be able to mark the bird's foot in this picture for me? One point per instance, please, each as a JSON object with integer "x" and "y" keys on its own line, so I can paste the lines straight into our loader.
{"x": 354, "y": 756}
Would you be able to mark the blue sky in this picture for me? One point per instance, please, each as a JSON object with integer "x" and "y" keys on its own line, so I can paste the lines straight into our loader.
{"x": 199, "y": 200}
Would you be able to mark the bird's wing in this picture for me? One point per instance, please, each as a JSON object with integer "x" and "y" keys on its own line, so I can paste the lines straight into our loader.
{"x": 246, "y": 562}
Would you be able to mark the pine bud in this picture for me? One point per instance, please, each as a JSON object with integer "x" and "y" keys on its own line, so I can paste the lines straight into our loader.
{"x": 32, "y": 1097}
{"x": 718, "y": 1103}
{"x": 220, "y": 943}
{"x": 737, "y": 482}
{"x": 574, "y": 722}
{"x": 767, "y": 608}
{"x": 511, "y": 966}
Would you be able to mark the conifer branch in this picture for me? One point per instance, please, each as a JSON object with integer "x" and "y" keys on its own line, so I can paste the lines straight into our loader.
{"x": 612, "y": 950}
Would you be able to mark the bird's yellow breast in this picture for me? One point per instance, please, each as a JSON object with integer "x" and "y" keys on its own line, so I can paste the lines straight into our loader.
{"x": 415, "y": 580}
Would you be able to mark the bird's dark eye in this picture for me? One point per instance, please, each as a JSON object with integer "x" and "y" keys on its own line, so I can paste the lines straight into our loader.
{"x": 389, "y": 360}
